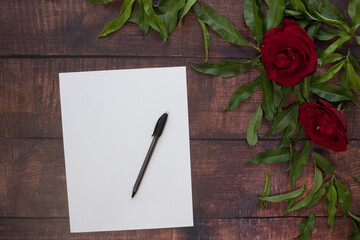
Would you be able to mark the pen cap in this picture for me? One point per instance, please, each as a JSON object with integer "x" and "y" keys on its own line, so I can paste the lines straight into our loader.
{"x": 160, "y": 125}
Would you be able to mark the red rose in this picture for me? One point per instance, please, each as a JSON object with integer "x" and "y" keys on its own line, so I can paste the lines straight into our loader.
{"x": 288, "y": 53}
{"x": 324, "y": 125}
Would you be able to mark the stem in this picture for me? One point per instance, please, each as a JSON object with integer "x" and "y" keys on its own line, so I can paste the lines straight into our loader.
{"x": 252, "y": 45}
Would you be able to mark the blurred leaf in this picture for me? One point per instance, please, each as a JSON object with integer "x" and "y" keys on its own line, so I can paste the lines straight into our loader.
{"x": 206, "y": 39}
{"x": 268, "y": 99}
{"x": 143, "y": 18}
{"x": 330, "y": 58}
{"x": 337, "y": 44}
{"x": 289, "y": 130}
{"x": 277, "y": 94}
{"x": 118, "y": 22}
{"x": 266, "y": 189}
{"x": 252, "y": 19}
{"x": 275, "y": 14}
{"x": 328, "y": 34}
{"x": 356, "y": 218}
{"x": 298, "y": 94}
{"x": 354, "y": 78}
{"x": 226, "y": 68}
{"x": 305, "y": 202}
{"x": 344, "y": 197}
{"x": 318, "y": 195}
{"x": 331, "y": 72}
{"x": 353, "y": 61}
{"x": 298, "y": 5}
{"x": 354, "y": 13}
{"x": 305, "y": 87}
{"x": 306, "y": 226}
{"x": 300, "y": 134}
{"x": 331, "y": 204}
{"x": 313, "y": 29}
{"x": 284, "y": 197}
{"x": 187, "y": 8}
{"x": 242, "y": 93}
{"x": 154, "y": 20}
{"x": 271, "y": 156}
{"x": 344, "y": 79}
{"x": 358, "y": 39}
{"x": 332, "y": 92}
{"x": 299, "y": 161}
{"x": 284, "y": 118}
{"x": 286, "y": 92}
{"x": 323, "y": 163}
{"x": 99, "y": 1}
{"x": 171, "y": 15}
{"x": 253, "y": 126}
{"x": 293, "y": 13}
{"x": 357, "y": 178}
{"x": 219, "y": 24}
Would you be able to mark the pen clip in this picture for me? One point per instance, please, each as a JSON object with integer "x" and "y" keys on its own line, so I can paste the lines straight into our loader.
{"x": 160, "y": 124}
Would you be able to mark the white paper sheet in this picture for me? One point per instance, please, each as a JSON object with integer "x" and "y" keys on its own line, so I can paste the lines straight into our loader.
{"x": 108, "y": 118}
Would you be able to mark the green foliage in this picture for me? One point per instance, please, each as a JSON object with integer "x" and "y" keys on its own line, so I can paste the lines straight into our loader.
{"x": 332, "y": 92}
{"x": 323, "y": 163}
{"x": 284, "y": 197}
{"x": 252, "y": 18}
{"x": 206, "y": 39}
{"x": 275, "y": 14}
{"x": 331, "y": 203}
{"x": 189, "y": 4}
{"x": 271, "y": 156}
{"x": 266, "y": 189}
{"x": 226, "y": 68}
{"x": 344, "y": 197}
{"x": 299, "y": 161}
{"x": 284, "y": 118}
{"x": 306, "y": 226}
{"x": 219, "y": 24}
{"x": 99, "y": 1}
{"x": 118, "y": 22}
{"x": 242, "y": 93}
{"x": 253, "y": 126}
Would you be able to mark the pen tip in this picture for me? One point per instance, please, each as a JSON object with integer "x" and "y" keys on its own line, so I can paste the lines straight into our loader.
{"x": 133, "y": 194}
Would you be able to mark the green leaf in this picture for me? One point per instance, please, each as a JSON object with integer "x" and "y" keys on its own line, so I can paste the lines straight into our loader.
{"x": 305, "y": 87}
{"x": 284, "y": 118}
{"x": 206, "y": 39}
{"x": 143, "y": 18}
{"x": 242, "y": 93}
{"x": 118, "y": 22}
{"x": 318, "y": 195}
{"x": 357, "y": 178}
{"x": 271, "y": 156}
{"x": 298, "y": 94}
{"x": 356, "y": 218}
{"x": 331, "y": 204}
{"x": 253, "y": 126}
{"x": 275, "y": 14}
{"x": 305, "y": 202}
{"x": 154, "y": 20}
{"x": 353, "y": 61}
{"x": 284, "y": 197}
{"x": 266, "y": 189}
{"x": 354, "y": 13}
{"x": 226, "y": 68}
{"x": 306, "y": 226}
{"x": 332, "y": 92}
{"x": 357, "y": 39}
{"x": 99, "y": 1}
{"x": 252, "y": 19}
{"x": 330, "y": 58}
{"x": 277, "y": 94}
{"x": 299, "y": 161}
{"x": 219, "y": 24}
{"x": 313, "y": 29}
{"x": 323, "y": 163}
{"x": 337, "y": 44}
{"x": 354, "y": 78}
{"x": 328, "y": 34}
{"x": 268, "y": 99}
{"x": 172, "y": 13}
{"x": 300, "y": 135}
{"x": 289, "y": 130}
{"x": 298, "y": 5}
{"x": 286, "y": 92}
{"x": 344, "y": 80}
{"x": 187, "y": 8}
{"x": 344, "y": 197}
{"x": 331, "y": 72}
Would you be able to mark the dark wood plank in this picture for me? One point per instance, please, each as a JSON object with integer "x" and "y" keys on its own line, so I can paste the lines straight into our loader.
{"x": 32, "y": 183}
{"x": 30, "y": 103}
{"x": 204, "y": 229}
{"x": 70, "y": 28}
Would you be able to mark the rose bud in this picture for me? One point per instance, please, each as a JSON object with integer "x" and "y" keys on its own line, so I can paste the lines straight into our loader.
{"x": 288, "y": 53}
{"x": 324, "y": 125}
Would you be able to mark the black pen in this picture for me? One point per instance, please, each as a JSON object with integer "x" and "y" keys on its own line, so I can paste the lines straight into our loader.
{"x": 159, "y": 127}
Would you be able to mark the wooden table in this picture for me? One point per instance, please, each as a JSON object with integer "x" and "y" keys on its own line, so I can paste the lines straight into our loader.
{"x": 41, "y": 38}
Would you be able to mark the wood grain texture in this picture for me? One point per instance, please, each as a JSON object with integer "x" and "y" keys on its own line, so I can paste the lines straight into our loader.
{"x": 30, "y": 102}
{"x": 204, "y": 229}
{"x": 32, "y": 183}
{"x": 70, "y": 28}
